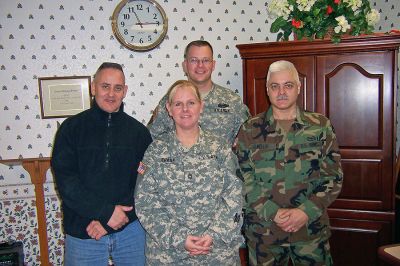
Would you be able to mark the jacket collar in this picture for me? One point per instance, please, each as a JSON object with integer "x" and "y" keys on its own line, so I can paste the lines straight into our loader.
{"x": 198, "y": 148}
{"x": 103, "y": 115}
{"x": 299, "y": 121}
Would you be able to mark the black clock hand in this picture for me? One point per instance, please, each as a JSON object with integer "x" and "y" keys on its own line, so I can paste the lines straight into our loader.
{"x": 149, "y": 23}
{"x": 137, "y": 17}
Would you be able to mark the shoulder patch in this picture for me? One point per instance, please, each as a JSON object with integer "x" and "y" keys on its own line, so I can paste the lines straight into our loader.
{"x": 142, "y": 168}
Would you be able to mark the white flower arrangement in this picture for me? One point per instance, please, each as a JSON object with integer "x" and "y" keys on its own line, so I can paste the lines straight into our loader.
{"x": 314, "y": 18}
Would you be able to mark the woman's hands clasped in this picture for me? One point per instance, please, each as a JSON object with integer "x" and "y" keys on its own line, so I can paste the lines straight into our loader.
{"x": 198, "y": 245}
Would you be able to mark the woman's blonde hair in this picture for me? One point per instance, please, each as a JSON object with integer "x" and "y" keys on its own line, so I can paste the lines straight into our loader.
{"x": 179, "y": 84}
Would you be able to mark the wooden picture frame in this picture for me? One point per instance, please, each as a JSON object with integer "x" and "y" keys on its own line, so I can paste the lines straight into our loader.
{"x": 64, "y": 96}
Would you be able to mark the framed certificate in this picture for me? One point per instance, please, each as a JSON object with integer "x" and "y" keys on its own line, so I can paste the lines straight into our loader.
{"x": 64, "y": 96}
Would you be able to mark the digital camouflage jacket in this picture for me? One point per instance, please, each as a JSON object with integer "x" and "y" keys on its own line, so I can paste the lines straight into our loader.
{"x": 190, "y": 192}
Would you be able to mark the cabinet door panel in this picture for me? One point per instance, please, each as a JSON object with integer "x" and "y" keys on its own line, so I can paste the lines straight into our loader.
{"x": 355, "y": 242}
{"x": 362, "y": 187}
{"x": 355, "y": 92}
{"x": 358, "y": 93}
{"x": 255, "y": 94}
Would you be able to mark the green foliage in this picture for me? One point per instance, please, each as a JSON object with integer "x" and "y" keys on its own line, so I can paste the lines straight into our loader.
{"x": 316, "y": 18}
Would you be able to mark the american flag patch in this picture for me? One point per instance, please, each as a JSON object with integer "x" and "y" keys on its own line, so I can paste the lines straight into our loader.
{"x": 142, "y": 168}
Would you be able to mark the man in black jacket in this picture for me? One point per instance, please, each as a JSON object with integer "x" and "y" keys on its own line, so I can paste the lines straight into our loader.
{"x": 95, "y": 161}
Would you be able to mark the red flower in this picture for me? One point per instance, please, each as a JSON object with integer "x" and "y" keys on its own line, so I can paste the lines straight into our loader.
{"x": 329, "y": 10}
{"x": 337, "y": 1}
{"x": 297, "y": 23}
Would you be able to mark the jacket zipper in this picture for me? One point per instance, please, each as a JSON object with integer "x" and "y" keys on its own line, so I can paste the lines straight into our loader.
{"x": 108, "y": 138}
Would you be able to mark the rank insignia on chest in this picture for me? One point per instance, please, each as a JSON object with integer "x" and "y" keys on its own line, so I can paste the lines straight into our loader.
{"x": 142, "y": 168}
{"x": 223, "y": 108}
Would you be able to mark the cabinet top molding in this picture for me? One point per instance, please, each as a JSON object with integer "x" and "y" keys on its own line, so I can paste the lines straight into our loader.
{"x": 351, "y": 44}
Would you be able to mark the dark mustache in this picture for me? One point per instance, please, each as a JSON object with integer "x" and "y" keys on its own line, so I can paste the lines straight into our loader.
{"x": 282, "y": 97}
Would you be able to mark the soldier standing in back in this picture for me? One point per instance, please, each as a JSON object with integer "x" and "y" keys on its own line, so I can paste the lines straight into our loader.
{"x": 224, "y": 111}
{"x": 291, "y": 166}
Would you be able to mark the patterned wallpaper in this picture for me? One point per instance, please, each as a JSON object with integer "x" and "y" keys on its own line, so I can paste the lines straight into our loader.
{"x": 45, "y": 38}
{"x": 63, "y": 38}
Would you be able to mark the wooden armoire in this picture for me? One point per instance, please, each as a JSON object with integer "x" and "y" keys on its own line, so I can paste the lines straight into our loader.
{"x": 354, "y": 84}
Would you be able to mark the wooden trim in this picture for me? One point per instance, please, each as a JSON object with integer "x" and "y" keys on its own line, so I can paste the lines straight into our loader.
{"x": 37, "y": 168}
{"x": 305, "y": 47}
{"x": 397, "y": 168}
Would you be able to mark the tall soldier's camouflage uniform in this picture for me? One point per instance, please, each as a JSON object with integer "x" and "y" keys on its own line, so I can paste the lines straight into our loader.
{"x": 295, "y": 169}
{"x": 190, "y": 192}
{"x": 223, "y": 114}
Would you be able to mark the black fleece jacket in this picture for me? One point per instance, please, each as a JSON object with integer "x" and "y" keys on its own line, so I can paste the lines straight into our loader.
{"x": 95, "y": 159}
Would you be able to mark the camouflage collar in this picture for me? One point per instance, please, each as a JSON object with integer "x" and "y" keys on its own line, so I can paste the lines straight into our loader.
{"x": 175, "y": 145}
{"x": 269, "y": 119}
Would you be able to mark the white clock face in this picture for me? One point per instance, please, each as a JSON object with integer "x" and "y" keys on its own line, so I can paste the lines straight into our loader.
{"x": 140, "y": 24}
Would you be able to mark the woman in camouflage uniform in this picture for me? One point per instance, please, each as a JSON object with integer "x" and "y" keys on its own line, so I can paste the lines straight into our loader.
{"x": 188, "y": 197}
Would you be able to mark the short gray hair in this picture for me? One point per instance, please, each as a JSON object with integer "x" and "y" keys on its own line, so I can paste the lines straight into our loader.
{"x": 283, "y": 65}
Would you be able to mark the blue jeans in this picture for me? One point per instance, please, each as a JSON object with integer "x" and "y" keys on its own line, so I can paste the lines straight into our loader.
{"x": 125, "y": 247}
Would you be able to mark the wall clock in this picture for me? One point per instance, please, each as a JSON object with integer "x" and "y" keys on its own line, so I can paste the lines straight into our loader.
{"x": 139, "y": 25}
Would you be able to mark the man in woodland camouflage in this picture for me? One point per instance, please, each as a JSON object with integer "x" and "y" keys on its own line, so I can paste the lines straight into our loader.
{"x": 291, "y": 166}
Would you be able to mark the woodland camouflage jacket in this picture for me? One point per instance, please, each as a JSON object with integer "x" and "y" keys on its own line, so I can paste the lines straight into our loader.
{"x": 295, "y": 169}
